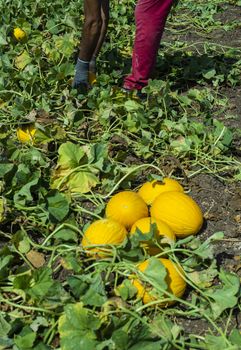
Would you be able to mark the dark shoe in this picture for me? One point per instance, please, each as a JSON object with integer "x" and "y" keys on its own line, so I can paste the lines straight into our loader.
{"x": 136, "y": 94}
{"x": 141, "y": 95}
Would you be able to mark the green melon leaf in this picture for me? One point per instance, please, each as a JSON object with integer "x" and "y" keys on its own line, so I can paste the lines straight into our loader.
{"x": 77, "y": 328}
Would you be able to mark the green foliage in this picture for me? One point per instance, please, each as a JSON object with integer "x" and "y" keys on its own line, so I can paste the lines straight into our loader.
{"x": 77, "y": 328}
{"x": 25, "y": 339}
{"x": 89, "y": 288}
{"x": 58, "y": 205}
{"x": 88, "y": 147}
{"x": 225, "y": 297}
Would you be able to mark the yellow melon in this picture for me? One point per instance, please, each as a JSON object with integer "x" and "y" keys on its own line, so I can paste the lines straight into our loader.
{"x": 163, "y": 232}
{"x": 149, "y": 191}
{"x": 179, "y": 211}
{"x": 176, "y": 285}
{"x": 103, "y": 233}
{"x": 126, "y": 207}
{"x": 26, "y": 133}
{"x": 19, "y": 34}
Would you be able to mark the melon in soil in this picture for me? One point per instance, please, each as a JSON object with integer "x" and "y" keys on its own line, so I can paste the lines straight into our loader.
{"x": 179, "y": 211}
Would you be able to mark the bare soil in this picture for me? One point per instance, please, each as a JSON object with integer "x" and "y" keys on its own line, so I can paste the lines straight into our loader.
{"x": 220, "y": 201}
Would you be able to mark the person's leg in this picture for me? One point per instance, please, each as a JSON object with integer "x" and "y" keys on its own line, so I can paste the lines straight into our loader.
{"x": 105, "y": 21}
{"x": 150, "y": 17}
{"x": 90, "y": 36}
{"x": 91, "y": 29}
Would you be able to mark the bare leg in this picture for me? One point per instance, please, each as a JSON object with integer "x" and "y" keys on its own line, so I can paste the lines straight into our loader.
{"x": 91, "y": 29}
{"x": 105, "y": 20}
{"x": 94, "y": 30}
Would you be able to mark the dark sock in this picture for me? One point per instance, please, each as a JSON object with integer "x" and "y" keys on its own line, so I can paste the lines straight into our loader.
{"x": 81, "y": 73}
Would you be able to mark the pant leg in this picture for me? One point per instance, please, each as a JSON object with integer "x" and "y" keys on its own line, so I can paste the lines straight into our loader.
{"x": 150, "y": 18}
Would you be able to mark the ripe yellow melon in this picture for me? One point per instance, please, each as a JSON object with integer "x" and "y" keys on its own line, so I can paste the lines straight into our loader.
{"x": 149, "y": 191}
{"x": 163, "y": 231}
{"x": 26, "y": 133}
{"x": 179, "y": 211}
{"x": 176, "y": 285}
{"x": 103, "y": 233}
{"x": 19, "y": 34}
{"x": 126, "y": 207}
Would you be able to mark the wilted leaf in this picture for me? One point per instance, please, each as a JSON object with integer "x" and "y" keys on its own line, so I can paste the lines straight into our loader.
{"x": 5, "y": 168}
{"x": 161, "y": 325}
{"x": 37, "y": 259}
{"x": 27, "y": 182}
{"x": 82, "y": 182}
{"x": 203, "y": 278}
{"x": 22, "y": 60}
{"x": 71, "y": 262}
{"x": 65, "y": 44}
{"x": 70, "y": 155}
{"x": 132, "y": 106}
{"x": 66, "y": 234}
{"x": 38, "y": 322}
{"x": 203, "y": 250}
{"x": 73, "y": 171}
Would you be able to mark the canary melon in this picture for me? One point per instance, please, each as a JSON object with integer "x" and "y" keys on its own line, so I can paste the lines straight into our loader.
{"x": 179, "y": 211}
{"x": 164, "y": 233}
{"x": 149, "y": 191}
{"x": 26, "y": 133}
{"x": 19, "y": 34}
{"x": 101, "y": 234}
{"x": 176, "y": 284}
{"x": 126, "y": 207}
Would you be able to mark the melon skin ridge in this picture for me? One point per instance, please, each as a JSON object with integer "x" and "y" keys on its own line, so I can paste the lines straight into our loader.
{"x": 103, "y": 232}
{"x": 179, "y": 211}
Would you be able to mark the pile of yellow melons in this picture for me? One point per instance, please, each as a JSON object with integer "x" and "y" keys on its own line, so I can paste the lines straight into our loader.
{"x": 163, "y": 203}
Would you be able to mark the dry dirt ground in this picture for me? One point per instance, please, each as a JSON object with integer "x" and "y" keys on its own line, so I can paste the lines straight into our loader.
{"x": 220, "y": 201}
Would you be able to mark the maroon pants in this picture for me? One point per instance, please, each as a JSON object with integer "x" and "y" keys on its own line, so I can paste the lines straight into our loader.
{"x": 150, "y": 18}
